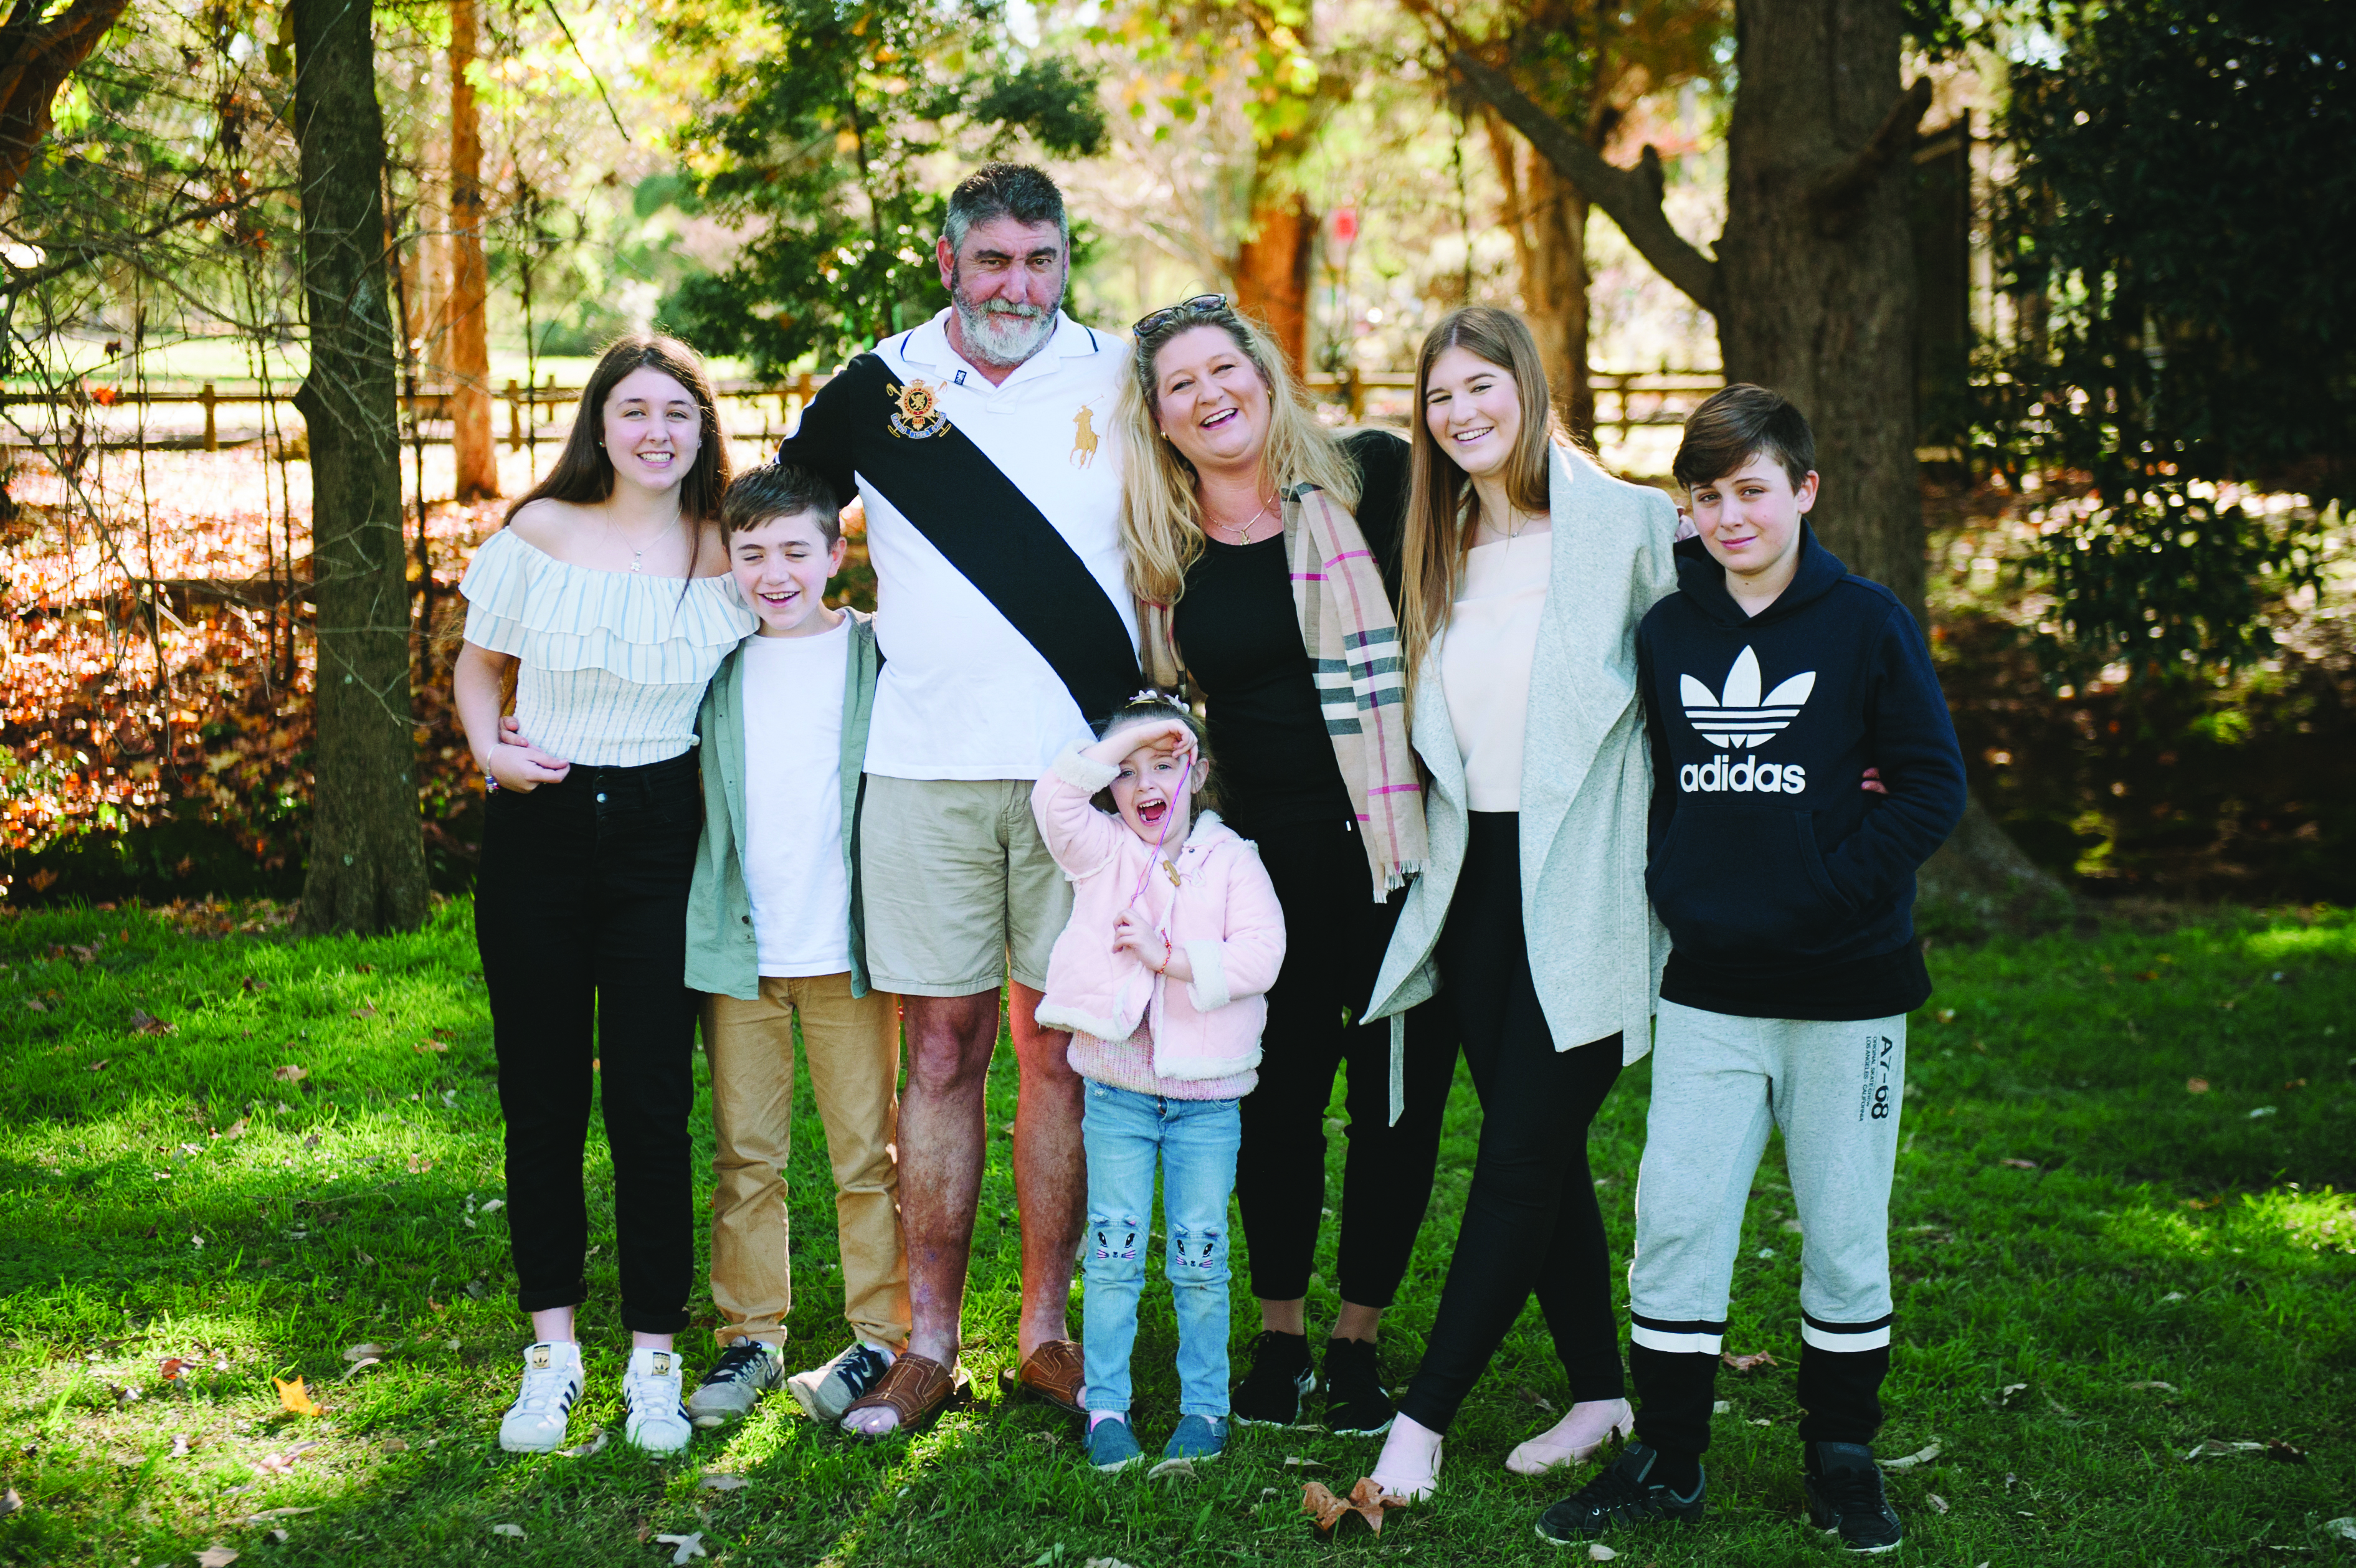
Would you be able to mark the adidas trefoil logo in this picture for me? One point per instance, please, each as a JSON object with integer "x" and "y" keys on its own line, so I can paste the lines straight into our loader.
{"x": 1741, "y": 718}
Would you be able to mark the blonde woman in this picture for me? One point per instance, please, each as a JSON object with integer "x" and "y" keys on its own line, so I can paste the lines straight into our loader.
{"x": 1526, "y": 570}
{"x": 1264, "y": 554}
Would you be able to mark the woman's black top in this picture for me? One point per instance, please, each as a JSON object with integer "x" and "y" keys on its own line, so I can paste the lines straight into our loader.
{"x": 1239, "y": 637}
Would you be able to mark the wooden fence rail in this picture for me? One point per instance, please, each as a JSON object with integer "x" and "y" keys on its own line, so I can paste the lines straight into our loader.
{"x": 1625, "y": 390}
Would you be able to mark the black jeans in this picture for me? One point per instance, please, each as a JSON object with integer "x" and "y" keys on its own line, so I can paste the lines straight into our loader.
{"x": 1530, "y": 1221}
{"x": 581, "y": 918}
{"x": 1334, "y": 934}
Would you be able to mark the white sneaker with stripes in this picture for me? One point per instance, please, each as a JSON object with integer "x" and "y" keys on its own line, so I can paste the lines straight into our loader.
{"x": 551, "y": 1384}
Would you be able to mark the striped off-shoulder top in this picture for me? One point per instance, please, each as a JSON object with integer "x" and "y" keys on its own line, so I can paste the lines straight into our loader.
{"x": 614, "y": 663}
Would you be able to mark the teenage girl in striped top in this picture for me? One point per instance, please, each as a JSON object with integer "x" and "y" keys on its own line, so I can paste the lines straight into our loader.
{"x": 607, "y": 598}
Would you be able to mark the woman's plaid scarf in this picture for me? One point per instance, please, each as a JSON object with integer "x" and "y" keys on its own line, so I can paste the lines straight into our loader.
{"x": 1352, "y": 642}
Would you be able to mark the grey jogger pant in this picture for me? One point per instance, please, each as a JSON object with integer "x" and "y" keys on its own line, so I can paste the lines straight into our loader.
{"x": 1718, "y": 1081}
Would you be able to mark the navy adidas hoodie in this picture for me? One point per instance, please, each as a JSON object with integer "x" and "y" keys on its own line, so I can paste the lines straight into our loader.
{"x": 1788, "y": 891}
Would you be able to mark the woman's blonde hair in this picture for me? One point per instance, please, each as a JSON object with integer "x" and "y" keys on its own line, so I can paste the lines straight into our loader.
{"x": 1442, "y": 509}
{"x": 1160, "y": 518}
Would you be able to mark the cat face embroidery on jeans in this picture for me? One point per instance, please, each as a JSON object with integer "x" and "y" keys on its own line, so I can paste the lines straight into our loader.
{"x": 1127, "y": 1247}
{"x": 1188, "y": 1252}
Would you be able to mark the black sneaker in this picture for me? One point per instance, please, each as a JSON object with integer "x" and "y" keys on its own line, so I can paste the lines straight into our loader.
{"x": 1620, "y": 1494}
{"x": 1845, "y": 1499}
{"x": 1280, "y": 1378}
{"x": 1355, "y": 1403}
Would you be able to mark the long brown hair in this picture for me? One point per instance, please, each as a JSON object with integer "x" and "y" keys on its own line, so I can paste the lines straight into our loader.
{"x": 1442, "y": 507}
{"x": 1161, "y": 517}
{"x": 583, "y": 475}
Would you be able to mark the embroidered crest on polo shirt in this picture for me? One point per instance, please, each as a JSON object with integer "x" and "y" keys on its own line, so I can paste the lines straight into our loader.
{"x": 918, "y": 414}
{"x": 1084, "y": 437}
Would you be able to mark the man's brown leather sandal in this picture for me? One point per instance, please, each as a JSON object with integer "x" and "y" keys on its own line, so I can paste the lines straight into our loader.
{"x": 916, "y": 1390}
{"x": 1054, "y": 1373}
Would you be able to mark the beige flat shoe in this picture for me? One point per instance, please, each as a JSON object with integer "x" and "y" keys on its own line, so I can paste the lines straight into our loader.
{"x": 1575, "y": 1439}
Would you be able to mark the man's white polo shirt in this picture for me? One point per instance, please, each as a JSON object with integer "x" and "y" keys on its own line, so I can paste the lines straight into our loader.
{"x": 963, "y": 695}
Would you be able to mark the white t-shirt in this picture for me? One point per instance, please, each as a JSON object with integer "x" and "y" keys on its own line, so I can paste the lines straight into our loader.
{"x": 1485, "y": 655}
{"x": 962, "y": 693}
{"x": 793, "y": 801}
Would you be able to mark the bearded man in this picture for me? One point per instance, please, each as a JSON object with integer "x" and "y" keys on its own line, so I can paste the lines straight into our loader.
{"x": 981, "y": 444}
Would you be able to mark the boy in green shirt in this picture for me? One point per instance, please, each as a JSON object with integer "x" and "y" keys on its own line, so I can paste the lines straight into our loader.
{"x": 773, "y": 932}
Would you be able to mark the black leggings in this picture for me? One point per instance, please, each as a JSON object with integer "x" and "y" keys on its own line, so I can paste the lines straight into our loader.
{"x": 1334, "y": 938}
{"x": 1530, "y": 1221}
{"x": 581, "y": 918}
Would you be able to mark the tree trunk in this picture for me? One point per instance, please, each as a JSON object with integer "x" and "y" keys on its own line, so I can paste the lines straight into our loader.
{"x": 1547, "y": 216}
{"x": 366, "y": 870}
{"x": 1812, "y": 289}
{"x": 471, "y": 440}
{"x": 35, "y": 58}
{"x": 1817, "y": 295}
{"x": 1271, "y": 273}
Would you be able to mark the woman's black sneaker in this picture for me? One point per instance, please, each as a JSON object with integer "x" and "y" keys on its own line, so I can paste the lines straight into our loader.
{"x": 1355, "y": 1403}
{"x": 1623, "y": 1493}
{"x": 1845, "y": 1499}
{"x": 1280, "y": 1378}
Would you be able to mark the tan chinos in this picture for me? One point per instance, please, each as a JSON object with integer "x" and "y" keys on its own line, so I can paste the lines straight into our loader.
{"x": 852, "y": 1045}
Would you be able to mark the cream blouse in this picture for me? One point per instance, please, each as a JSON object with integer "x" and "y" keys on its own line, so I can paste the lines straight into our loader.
{"x": 1485, "y": 663}
{"x": 614, "y": 663}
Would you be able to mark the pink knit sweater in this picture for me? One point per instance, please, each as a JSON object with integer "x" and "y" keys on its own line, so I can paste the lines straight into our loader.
{"x": 1129, "y": 1064}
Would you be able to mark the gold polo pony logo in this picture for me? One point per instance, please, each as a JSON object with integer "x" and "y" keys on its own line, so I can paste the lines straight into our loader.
{"x": 1084, "y": 437}
{"x": 918, "y": 415}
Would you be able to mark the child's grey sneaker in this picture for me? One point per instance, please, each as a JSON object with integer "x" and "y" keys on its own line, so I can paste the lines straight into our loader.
{"x": 1623, "y": 1493}
{"x": 1845, "y": 1498}
{"x": 746, "y": 1370}
{"x": 650, "y": 1389}
{"x": 1198, "y": 1438}
{"x": 825, "y": 1392}
{"x": 1112, "y": 1446}
{"x": 552, "y": 1382}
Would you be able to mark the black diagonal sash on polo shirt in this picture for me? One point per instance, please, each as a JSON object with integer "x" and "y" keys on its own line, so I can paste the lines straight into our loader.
{"x": 997, "y": 536}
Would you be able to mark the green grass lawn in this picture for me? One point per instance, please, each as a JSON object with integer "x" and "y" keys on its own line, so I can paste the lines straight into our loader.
{"x": 2099, "y": 1269}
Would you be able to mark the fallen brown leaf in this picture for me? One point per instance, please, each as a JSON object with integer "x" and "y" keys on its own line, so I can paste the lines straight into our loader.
{"x": 367, "y": 1012}
{"x": 290, "y": 1073}
{"x": 144, "y": 1023}
{"x": 297, "y": 1398}
{"x": 2019, "y": 1164}
{"x": 429, "y": 1045}
{"x": 174, "y": 1367}
{"x": 1366, "y": 1500}
{"x": 2196, "y": 1086}
{"x": 216, "y": 1557}
{"x": 235, "y": 1129}
{"x": 1744, "y": 1363}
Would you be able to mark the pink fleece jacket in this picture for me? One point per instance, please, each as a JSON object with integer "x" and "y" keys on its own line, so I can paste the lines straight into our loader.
{"x": 1221, "y": 912}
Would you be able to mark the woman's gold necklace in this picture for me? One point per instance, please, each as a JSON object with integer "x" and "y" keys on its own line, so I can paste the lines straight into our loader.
{"x": 1243, "y": 534}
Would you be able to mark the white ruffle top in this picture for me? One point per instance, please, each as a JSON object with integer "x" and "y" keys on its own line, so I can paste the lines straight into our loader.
{"x": 1485, "y": 663}
{"x": 614, "y": 663}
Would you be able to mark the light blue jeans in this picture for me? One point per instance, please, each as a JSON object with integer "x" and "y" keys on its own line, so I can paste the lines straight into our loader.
{"x": 1196, "y": 1140}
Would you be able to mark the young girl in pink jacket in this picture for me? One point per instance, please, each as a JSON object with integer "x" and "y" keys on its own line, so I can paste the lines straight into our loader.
{"x": 1161, "y": 976}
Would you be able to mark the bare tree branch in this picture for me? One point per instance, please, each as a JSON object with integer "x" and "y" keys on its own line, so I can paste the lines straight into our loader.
{"x": 1631, "y": 198}
{"x": 88, "y": 250}
{"x": 1840, "y": 189}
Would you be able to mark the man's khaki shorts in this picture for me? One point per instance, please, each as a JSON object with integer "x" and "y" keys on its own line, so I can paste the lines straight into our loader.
{"x": 958, "y": 887}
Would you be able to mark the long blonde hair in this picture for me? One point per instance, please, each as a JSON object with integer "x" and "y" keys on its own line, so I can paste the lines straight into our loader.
{"x": 1442, "y": 509}
{"x": 1161, "y": 517}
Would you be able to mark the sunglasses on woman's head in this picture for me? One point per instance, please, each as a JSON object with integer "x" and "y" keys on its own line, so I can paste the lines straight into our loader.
{"x": 1201, "y": 306}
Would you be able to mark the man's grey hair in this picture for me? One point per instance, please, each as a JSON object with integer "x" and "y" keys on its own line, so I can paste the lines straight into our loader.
{"x": 1005, "y": 190}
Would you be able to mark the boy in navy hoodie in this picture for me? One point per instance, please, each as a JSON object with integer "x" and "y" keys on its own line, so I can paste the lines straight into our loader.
{"x": 1770, "y": 679}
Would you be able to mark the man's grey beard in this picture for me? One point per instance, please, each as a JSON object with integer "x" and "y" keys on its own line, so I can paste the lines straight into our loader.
{"x": 1004, "y": 333}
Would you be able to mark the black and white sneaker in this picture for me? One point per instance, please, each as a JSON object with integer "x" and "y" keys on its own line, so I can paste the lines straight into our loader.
{"x": 825, "y": 1392}
{"x": 551, "y": 1382}
{"x": 1845, "y": 1499}
{"x": 746, "y": 1370}
{"x": 1280, "y": 1378}
{"x": 1623, "y": 1493}
{"x": 1356, "y": 1404}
